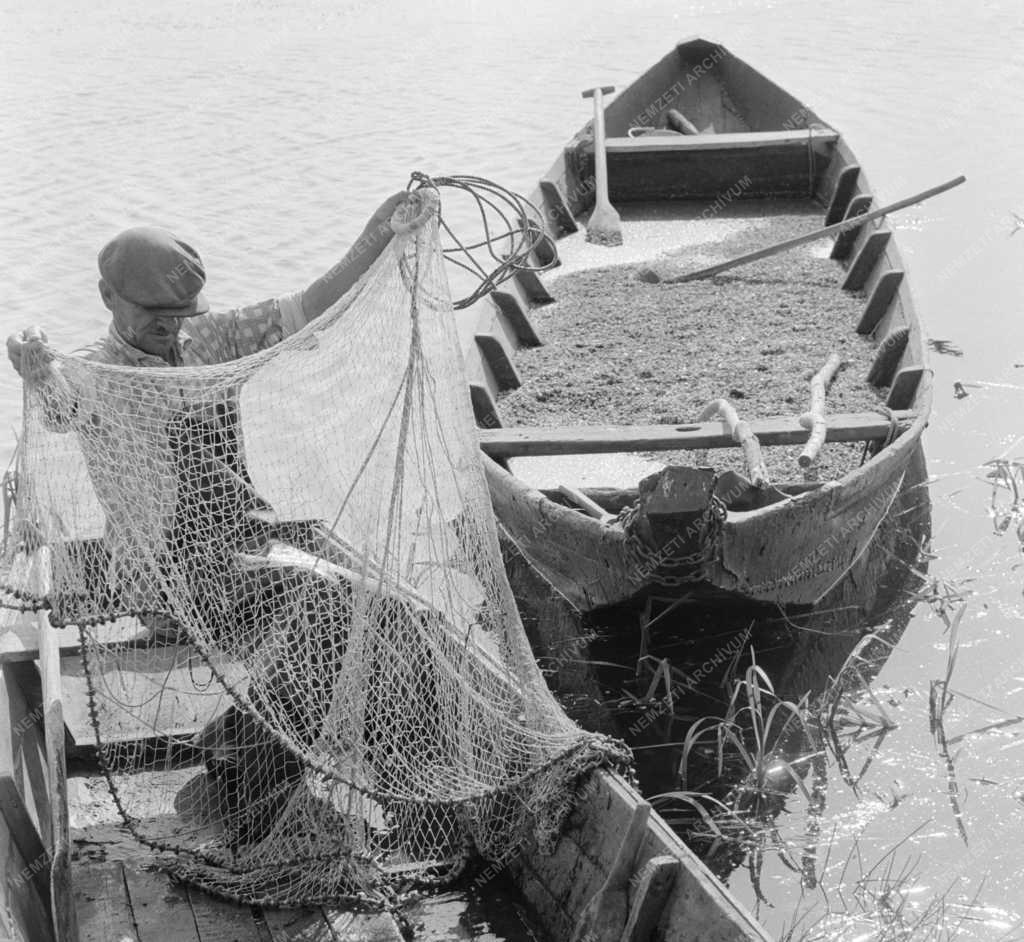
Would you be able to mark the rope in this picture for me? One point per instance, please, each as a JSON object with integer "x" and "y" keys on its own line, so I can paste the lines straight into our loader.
{"x": 873, "y": 448}
{"x": 518, "y": 224}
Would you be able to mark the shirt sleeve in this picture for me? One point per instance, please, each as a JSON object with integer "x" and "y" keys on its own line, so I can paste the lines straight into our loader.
{"x": 228, "y": 335}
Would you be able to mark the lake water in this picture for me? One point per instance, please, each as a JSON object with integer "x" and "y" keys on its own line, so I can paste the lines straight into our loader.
{"x": 266, "y": 132}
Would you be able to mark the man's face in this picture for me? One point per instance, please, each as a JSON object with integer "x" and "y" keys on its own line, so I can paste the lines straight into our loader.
{"x": 153, "y": 333}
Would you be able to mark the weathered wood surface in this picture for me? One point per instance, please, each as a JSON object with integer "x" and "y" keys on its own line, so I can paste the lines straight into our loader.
{"x": 584, "y": 559}
{"x": 522, "y": 441}
{"x": 793, "y": 552}
{"x": 750, "y": 139}
{"x": 101, "y": 901}
{"x": 24, "y": 815}
{"x": 61, "y": 903}
{"x": 697, "y": 907}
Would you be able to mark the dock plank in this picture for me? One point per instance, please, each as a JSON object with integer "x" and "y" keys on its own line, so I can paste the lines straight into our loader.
{"x": 101, "y": 903}
{"x": 365, "y": 927}
{"x": 298, "y": 925}
{"x": 161, "y": 908}
{"x": 220, "y": 921}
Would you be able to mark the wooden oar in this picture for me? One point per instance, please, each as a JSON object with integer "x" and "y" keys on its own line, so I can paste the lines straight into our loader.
{"x": 61, "y": 902}
{"x": 649, "y": 275}
{"x": 604, "y": 226}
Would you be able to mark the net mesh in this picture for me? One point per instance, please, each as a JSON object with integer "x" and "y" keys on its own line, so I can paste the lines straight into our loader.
{"x": 333, "y": 695}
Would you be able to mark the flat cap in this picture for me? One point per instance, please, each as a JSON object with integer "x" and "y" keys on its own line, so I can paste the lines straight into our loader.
{"x": 153, "y": 268}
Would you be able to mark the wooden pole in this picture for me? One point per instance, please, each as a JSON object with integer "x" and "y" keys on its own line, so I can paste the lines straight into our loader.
{"x": 604, "y": 226}
{"x": 819, "y": 386}
{"x": 743, "y": 435}
{"x": 61, "y": 901}
{"x": 647, "y": 274}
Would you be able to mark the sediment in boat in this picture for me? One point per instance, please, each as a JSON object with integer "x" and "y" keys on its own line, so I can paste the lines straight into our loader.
{"x": 618, "y": 350}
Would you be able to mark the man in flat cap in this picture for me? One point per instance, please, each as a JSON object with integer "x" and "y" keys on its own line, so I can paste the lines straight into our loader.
{"x": 152, "y": 284}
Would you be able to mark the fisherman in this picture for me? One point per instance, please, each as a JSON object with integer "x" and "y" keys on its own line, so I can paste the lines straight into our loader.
{"x": 152, "y": 284}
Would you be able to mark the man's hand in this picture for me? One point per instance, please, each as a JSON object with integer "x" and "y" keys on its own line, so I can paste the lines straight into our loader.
{"x": 30, "y": 356}
{"x": 384, "y": 212}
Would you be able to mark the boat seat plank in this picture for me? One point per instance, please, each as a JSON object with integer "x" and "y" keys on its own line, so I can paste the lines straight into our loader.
{"x": 176, "y": 703}
{"x": 20, "y": 641}
{"x": 101, "y": 902}
{"x": 607, "y": 439}
{"x": 688, "y": 142}
{"x": 160, "y": 908}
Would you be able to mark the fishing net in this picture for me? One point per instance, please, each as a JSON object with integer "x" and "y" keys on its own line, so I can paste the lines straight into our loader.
{"x": 334, "y": 695}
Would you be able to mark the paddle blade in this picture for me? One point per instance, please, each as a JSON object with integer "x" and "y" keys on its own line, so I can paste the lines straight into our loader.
{"x": 604, "y": 226}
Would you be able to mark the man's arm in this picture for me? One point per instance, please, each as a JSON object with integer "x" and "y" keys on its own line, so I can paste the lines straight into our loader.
{"x": 328, "y": 288}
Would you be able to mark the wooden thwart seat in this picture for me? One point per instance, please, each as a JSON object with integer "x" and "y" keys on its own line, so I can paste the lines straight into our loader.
{"x": 687, "y": 142}
{"x": 606, "y": 439}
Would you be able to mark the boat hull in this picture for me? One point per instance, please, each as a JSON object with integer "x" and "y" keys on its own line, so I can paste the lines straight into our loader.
{"x": 790, "y": 549}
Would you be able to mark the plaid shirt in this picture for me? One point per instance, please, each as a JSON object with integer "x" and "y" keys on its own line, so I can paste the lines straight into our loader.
{"x": 216, "y": 337}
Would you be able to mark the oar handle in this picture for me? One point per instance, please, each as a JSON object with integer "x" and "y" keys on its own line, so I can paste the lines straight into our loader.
{"x": 602, "y": 89}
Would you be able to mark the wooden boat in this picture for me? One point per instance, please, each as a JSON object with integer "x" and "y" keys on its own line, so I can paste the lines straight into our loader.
{"x": 788, "y": 545}
{"x": 71, "y": 872}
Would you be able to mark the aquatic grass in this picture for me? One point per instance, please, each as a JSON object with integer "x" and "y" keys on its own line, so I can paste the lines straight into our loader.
{"x": 878, "y": 903}
{"x": 939, "y": 699}
{"x": 1006, "y": 475}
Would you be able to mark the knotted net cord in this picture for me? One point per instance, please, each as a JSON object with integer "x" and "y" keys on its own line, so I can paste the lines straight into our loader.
{"x": 351, "y": 706}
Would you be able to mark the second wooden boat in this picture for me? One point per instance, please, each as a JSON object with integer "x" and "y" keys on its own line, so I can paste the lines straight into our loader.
{"x": 692, "y": 529}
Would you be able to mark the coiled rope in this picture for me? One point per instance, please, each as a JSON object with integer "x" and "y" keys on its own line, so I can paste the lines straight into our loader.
{"x": 513, "y": 230}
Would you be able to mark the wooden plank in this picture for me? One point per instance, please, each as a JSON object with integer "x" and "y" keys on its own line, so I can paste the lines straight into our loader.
{"x": 24, "y": 910}
{"x": 841, "y": 248}
{"x": 494, "y": 352}
{"x": 61, "y": 896}
{"x": 887, "y": 357}
{"x": 160, "y": 907}
{"x": 843, "y": 193}
{"x": 298, "y": 925}
{"x": 697, "y": 908}
{"x": 647, "y": 902}
{"x": 558, "y": 209}
{"x": 25, "y": 834}
{"x": 512, "y": 306}
{"x": 681, "y": 143}
{"x": 871, "y": 251}
{"x": 484, "y": 409}
{"x": 878, "y": 303}
{"x": 533, "y": 287}
{"x": 220, "y": 921}
{"x": 771, "y": 171}
{"x": 904, "y": 387}
{"x": 608, "y": 439}
{"x": 166, "y": 699}
{"x": 101, "y": 903}
{"x": 20, "y": 642}
{"x": 374, "y": 927}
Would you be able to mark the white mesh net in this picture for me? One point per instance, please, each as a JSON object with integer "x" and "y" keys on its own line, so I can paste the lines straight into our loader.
{"x": 338, "y": 696}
